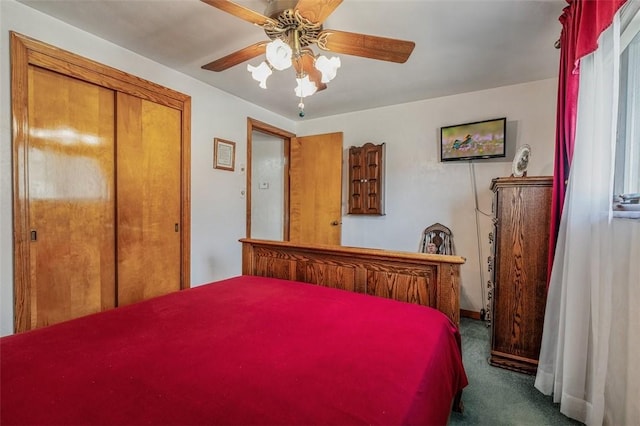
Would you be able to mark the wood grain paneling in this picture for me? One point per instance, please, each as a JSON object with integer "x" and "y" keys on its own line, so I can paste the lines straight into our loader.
{"x": 522, "y": 215}
{"x": 327, "y": 275}
{"x": 148, "y": 214}
{"x": 71, "y": 198}
{"x": 419, "y": 289}
{"x": 64, "y": 148}
{"x": 426, "y": 279}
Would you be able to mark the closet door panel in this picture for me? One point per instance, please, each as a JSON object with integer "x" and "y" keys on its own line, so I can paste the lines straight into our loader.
{"x": 71, "y": 205}
{"x": 148, "y": 191}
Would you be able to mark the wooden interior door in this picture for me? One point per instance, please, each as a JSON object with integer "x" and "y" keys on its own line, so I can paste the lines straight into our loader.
{"x": 149, "y": 199}
{"x": 316, "y": 189}
{"x": 71, "y": 202}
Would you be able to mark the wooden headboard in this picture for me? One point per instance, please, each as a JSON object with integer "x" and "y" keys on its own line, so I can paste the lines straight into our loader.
{"x": 427, "y": 279}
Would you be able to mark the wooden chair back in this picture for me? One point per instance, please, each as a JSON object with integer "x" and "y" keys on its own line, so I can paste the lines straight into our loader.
{"x": 437, "y": 239}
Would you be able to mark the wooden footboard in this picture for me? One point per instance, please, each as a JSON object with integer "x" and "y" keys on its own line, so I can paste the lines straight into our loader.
{"x": 426, "y": 279}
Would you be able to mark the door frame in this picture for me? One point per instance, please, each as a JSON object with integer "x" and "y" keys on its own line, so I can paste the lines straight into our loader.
{"x": 26, "y": 52}
{"x": 259, "y": 126}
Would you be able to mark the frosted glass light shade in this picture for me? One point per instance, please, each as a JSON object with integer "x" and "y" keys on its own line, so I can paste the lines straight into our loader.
{"x": 328, "y": 67}
{"x": 279, "y": 54}
{"x": 260, "y": 73}
{"x": 305, "y": 87}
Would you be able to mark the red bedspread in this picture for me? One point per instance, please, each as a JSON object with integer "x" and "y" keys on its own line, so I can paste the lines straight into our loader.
{"x": 247, "y": 350}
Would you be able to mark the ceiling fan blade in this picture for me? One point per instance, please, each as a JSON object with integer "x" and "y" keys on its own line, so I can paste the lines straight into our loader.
{"x": 241, "y": 12}
{"x": 237, "y": 57}
{"x": 306, "y": 64}
{"x": 366, "y": 46}
{"x": 317, "y": 11}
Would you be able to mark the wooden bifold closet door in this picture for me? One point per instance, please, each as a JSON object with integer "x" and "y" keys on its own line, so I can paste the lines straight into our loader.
{"x": 101, "y": 177}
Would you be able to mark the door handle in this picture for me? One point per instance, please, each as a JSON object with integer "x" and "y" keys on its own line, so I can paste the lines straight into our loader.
{"x": 335, "y": 223}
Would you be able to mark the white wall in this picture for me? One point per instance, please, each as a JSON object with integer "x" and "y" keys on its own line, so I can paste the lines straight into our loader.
{"x": 217, "y": 206}
{"x": 420, "y": 190}
{"x": 267, "y": 187}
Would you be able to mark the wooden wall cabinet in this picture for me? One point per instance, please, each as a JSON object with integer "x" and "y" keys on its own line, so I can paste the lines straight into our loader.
{"x": 366, "y": 179}
{"x": 522, "y": 214}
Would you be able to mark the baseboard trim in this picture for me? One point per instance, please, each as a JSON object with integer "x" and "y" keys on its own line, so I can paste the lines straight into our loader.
{"x": 469, "y": 314}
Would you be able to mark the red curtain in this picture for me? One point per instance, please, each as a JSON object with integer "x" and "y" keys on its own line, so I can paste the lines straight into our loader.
{"x": 582, "y": 23}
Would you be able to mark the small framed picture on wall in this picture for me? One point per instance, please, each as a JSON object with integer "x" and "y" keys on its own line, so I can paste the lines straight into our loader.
{"x": 224, "y": 154}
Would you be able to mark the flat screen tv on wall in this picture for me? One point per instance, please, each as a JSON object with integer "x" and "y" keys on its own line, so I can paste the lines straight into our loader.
{"x": 473, "y": 141}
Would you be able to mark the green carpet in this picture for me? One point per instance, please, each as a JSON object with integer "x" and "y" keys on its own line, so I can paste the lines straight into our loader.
{"x": 496, "y": 396}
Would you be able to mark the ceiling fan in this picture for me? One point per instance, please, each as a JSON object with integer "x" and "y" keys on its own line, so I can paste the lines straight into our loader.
{"x": 293, "y": 26}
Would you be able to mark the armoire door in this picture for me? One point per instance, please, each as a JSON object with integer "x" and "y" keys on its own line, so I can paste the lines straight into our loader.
{"x": 71, "y": 201}
{"x": 148, "y": 191}
{"x": 315, "y": 185}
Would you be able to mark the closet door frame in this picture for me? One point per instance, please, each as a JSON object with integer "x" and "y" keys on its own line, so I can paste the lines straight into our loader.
{"x": 26, "y": 52}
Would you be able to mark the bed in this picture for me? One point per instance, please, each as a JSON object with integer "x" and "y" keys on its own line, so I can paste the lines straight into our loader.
{"x": 245, "y": 350}
{"x": 425, "y": 279}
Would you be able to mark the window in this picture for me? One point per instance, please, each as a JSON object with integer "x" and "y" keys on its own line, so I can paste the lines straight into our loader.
{"x": 627, "y": 167}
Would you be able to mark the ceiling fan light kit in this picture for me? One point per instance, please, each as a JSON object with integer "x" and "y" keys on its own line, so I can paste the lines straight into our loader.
{"x": 260, "y": 73}
{"x": 279, "y": 54}
{"x": 328, "y": 67}
{"x": 294, "y": 25}
{"x": 305, "y": 88}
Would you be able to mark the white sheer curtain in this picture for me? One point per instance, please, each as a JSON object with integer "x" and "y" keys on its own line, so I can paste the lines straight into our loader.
{"x": 590, "y": 344}
{"x": 575, "y": 344}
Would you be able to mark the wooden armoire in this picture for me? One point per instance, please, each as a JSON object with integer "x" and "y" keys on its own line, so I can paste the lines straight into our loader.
{"x": 522, "y": 212}
{"x": 101, "y": 186}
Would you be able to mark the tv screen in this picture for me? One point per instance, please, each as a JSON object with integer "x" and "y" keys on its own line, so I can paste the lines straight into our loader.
{"x": 472, "y": 141}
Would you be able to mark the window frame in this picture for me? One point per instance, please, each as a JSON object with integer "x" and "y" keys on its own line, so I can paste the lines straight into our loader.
{"x": 627, "y": 153}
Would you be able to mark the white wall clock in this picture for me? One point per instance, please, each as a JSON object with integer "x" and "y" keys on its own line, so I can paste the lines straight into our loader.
{"x": 521, "y": 161}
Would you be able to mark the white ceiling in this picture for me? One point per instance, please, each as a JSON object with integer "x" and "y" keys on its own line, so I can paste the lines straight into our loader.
{"x": 461, "y": 46}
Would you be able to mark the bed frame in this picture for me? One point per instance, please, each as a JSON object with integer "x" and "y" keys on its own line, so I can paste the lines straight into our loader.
{"x": 426, "y": 279}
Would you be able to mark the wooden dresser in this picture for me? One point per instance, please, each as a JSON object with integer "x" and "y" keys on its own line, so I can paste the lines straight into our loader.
{"x": 521, "y": 209}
